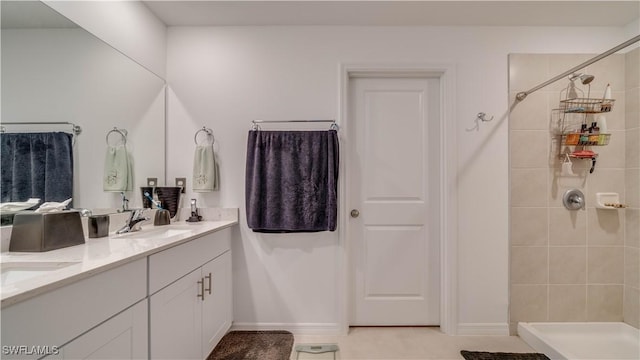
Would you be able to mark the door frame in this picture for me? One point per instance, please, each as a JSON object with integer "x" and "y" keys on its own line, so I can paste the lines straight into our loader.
{"x": 448, "y": 183}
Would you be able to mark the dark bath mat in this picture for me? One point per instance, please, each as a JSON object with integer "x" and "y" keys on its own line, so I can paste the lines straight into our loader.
{"x": 254, "y": 345}
{"x": 482, "y": 355}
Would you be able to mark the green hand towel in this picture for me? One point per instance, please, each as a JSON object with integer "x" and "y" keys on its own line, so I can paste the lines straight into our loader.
{"x": 205, "y": 169}
{"x": 117, "y": 169}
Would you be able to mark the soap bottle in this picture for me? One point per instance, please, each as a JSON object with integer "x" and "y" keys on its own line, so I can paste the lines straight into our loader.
{"x": 606, "y": 105}
{"x": 584, "y": 135}
{"x": 602, "y": 125}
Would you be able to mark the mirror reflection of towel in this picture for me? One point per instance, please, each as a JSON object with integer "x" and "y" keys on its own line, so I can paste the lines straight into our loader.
{"x": 205, "y": 169}
{"x": 117, "y": 169}
{"x": 36, "y": 165}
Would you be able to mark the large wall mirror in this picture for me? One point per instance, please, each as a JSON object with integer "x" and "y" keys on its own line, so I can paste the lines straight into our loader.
{"x": 55, "y": 71}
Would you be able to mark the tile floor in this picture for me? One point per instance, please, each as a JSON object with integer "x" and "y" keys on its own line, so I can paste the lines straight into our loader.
{"x": 396, "y": 343}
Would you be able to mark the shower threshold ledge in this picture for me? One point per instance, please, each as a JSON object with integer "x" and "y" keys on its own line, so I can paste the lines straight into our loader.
{"x": 582, "y": 340}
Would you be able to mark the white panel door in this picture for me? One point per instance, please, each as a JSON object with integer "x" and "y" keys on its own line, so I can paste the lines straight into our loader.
{"x": 390, "y": 180}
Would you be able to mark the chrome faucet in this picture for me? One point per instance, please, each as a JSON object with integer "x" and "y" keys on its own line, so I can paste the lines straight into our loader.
{"x": 125, "y": 203}
{"x": 133, "y": 223}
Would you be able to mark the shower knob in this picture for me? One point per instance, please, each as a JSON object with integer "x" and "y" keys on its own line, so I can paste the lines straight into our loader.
{"x": 355, "y": 213}
{"x": 573, "y": 199}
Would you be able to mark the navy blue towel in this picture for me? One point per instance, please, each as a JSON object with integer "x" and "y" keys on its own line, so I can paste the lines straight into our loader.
{"x": 37, "y": 165}
{"x": 292, "y": 181}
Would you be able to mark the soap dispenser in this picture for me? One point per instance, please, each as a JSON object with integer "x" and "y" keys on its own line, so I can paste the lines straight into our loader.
{"x": 194, "y": 212}
{"x": 162, "y": 216}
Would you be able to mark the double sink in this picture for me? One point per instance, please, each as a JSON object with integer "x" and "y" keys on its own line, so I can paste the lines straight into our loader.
{"x": 14, "y": 271}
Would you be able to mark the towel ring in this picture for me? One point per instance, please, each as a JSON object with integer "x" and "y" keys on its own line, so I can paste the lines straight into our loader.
{"x": 122, "y": 132}
{"x": 207, "y": 131}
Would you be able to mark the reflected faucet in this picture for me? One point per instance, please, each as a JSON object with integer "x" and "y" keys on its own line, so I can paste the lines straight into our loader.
{"x": 133, "y": 223}
{"x": 125, "y": 203}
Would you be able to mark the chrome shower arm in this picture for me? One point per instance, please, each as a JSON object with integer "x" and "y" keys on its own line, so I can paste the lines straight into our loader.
{"x": 523, "y": 94}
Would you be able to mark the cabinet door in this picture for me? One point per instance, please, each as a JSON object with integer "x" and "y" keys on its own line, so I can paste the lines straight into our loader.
{"x": 125, "y": 336}
{"x": 217, "y": 311}
{"x": 175, "y": 319}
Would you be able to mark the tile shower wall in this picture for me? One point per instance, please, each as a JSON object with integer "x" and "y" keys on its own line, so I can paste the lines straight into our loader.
{"x": 631, "y": 301}
{"x": 569, "y": 265}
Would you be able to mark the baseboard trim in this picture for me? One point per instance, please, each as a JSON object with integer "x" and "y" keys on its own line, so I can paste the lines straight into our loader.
{"x": 487, "y": 329}
{"x": 295, "y": 328}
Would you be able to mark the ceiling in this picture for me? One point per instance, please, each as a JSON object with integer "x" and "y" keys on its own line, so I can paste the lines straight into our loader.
{"x": 396, "y": 12}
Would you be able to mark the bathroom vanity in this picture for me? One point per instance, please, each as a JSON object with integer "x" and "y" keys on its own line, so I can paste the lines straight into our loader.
{"x": 162, "y": 292}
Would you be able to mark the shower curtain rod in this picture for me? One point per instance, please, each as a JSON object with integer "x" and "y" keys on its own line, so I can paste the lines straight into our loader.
{"x": 523, "y": 94}
{"x": 75, "y": 128}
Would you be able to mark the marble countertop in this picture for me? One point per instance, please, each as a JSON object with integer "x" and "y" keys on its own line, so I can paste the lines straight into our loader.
{"x": 96, "y": 255}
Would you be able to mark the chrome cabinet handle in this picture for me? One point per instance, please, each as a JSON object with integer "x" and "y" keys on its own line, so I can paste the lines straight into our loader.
{"x": 209, "y": 289}
{"x": 355, "y": 213}
{"x": 201, "y": 283}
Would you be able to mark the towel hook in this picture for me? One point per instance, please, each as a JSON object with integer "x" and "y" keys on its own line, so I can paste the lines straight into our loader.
{"x": 479, "y": 117}
{"x": 207, "y": 131}
{"x": 123, "y": 133}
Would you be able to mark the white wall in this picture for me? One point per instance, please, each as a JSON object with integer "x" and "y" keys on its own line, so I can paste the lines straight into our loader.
{"x": 224, "y": 77}
{"x": 128, "y": 26}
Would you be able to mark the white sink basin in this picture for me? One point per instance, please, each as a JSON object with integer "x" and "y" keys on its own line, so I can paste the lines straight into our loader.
{"x": 16, "y": 271}
{"x": 157, "y": 233}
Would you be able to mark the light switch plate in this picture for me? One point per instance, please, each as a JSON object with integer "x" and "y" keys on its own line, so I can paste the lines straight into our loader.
{"x": 152, "y": 182}
{"x": 181, "y": 182}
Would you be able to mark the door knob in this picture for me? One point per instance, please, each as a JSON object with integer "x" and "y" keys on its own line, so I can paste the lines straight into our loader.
{"x": 355, "y": 213}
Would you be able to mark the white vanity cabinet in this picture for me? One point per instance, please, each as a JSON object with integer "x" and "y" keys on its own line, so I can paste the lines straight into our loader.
{"x": 47, "y": 324}
{"x": 190, "y": 303}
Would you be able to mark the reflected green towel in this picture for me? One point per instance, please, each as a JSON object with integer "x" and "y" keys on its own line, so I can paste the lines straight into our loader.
{"x": 205, "y": 169}
{"x": 117, "y": 169}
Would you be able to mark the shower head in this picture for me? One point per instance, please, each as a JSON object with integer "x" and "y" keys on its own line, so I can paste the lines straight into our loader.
{"x": 584, "y": 78}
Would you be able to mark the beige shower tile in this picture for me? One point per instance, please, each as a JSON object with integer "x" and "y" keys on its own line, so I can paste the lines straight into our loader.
{"x": 526, "y": 115}
{"x": 567, "y": 227}
{"x": 559, "y": 63}
{"x": 632, "y": 227}
{"x": 632, "y": 101}
{"x": 558, "y": 184}
{"x": 568, "y": 265}
{"x": 529, "y": 187}
{"x": 567, "y": 302}
{"x": 605, "y": 265}
{"x": 616, "y": 117}
{"x": 529, "y": 265}
{"x": 604, "y": 302}
{"x": 612, "y": 156}
{"x": 632, "y": 148}
{"x": 604, "y": 180}
{"x": 632, "y": 69}
{"x": 529, "y": 226}
{"x": 527, "y": 70}
{"x": 528, "y": 303}
{"x": 632, "y": 195}
{"x": 605, "y": 227}
{"x": 529, "y": 148}
{"x": 632, "y": 119}
{"x": 610, "y": 70}
{"x": 631, "y": 306}
{"x": 632, "y": 267}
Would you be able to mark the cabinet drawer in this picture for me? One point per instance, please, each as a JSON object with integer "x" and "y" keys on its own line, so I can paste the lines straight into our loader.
{"x": 54, "y": 318}
{"x": 169, "y": 265}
